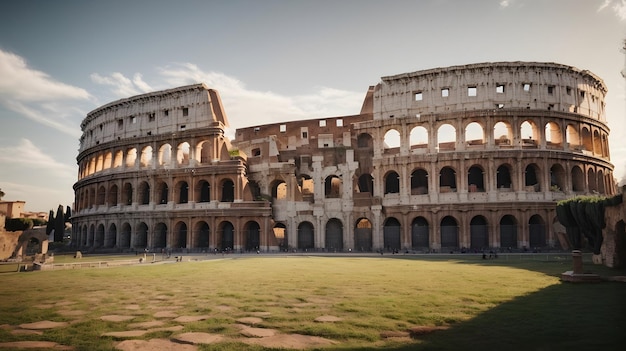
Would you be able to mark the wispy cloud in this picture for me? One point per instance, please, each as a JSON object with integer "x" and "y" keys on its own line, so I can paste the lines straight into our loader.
{"x": 243, "y": 105}
{"x": 505, "y": 3}
{"x": 617, "y": 6}
{"x": 27, "y": 156}
{"x": 122, "y": 86}
{"x": 35, "y": 95}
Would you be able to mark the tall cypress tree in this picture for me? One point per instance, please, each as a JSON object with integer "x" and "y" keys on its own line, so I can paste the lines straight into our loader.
{"x": 68, "y": 214}
{"x": 59, "y": 225}
{"x": 50, "y": 224}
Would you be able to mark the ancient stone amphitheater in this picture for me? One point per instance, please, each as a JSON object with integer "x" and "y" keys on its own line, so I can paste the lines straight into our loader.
{"x": 467, "y": 158}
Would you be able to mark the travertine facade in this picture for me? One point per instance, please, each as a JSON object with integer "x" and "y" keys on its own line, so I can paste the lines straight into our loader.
{"x": 467, "y": 157}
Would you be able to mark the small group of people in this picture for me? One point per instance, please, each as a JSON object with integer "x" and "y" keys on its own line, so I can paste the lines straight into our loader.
{"x": 492, "y": 254}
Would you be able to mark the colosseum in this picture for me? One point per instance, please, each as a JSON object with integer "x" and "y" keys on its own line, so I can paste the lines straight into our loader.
{"x": 461, "y": 158}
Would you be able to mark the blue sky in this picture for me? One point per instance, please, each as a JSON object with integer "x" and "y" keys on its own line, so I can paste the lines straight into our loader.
{"x": 271, "y": 60}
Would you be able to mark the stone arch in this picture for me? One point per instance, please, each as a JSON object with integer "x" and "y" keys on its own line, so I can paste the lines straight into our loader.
{"x": 334, "y": 235}
{"x": 363, "y": 235}
{"x": 146, "y": 157}
{"x": 572, "y": 137}
{"x": 127, "y": 194}
{"x": 418, "y": 138}
{"x": 204, "y": 149}
{"x": 529, "y": 132}
{"x": 307, "y": 186}
{"x": 179, "y": 239}
{"x": 252, "y": 236}
{"x": 597, "y": 143}
{"x": 182, "y": 188}
{"x": 101, "y": 197}
{"x": 392, "y": 182}
{"x": 332, "y": 187}
{"x": 557, "y": 178}
{"x": 537, "y": 232}
{"x": 112, "y": 195}
{"x": 165, "y": 155}
{"x": 446, "y": 137}
{"x": 476, "y": 178}
{"x": 503, "y": 177}
{"x": 578, "y": 180}
{"x": 474, "y": 134}
{"x": 419, "y": 182}
{"x": 279, "y": 189}
{"x": 364, "y": 140}
{"x": 306, "y": 236}
{"x": 201, "y": 235}
{"x": 503, "y": 133}
{"x": 125, "y": 235}
{"x": 162, "y": 191}
{"x": 144, "y": 193}
{"x": 508, "y": 231}
{"x": 392, "y": 234}
{"x": 592, "y": 181}
{"x": 131, "y": 157}
{"x": 110, "y": 239}
{"x": 226, "y": 236}
{"x": 587, "y": 140}
{"x": 118, "y": 161}
{"x": 108, "y": 160}
{"x": 532, "y": 178}
{"x": 449, "y": 233}
{"x": 554, "y": 136}
{"x": 479, "y": 233}
{"x": 447, "y": 180}
{"x": 182, "y": 154}
{"x": 601, "y": 180}
{"x": 91, "y": 236}
{"x": 281, "y": 235}
{"x": 99, "y": 238}
{"x": 203, "y": 190}
{"x": 366, "y": 184}
{"x": 141, "y": 236}
{"x": 99, "y": 163}
{"x": 420, "y": 233}
{"x": 392, "y": 141}
{"x": 228, "y": 190}
{"x": 160, "y": 236}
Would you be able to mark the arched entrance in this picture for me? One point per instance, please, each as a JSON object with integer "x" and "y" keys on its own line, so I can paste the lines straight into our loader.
{"x": 334, "y": 235}
{"x": 508, "y": 232}
{"x": 227, "y": 236}
{"x": 449, "y": 233}
{"x": 363, "y": 235}
{"x": 252, "y": 236}
{"x": 391, "y": 234}
{"x": 305, "y": 236}
{"x": 420, "y": 232}
{"x": 479, "y": 233}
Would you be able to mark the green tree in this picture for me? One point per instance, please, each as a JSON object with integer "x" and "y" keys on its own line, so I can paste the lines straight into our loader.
{"x": 59, "y": 225}
{"x": 68, "y": 214}
{"x": 17, "y": 224}
{"x": 50, "y": 225}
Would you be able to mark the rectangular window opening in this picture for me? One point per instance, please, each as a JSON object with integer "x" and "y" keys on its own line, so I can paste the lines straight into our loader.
{"x": 185, "y": 112}
{"x": 151, "y": 117}
{"x": 568, "y": 90}
{"x": 526, "y": 87}
{"x": 166, "y": 112}
{"x": 471, "y": 91}
{"x": 445, "y": 92}
{"x": 323, "y": 123}
{"x": 500, "y": 88}
{"x": 551, "y": 89}
{"x": 120, "y": 123}
{"x": 340, "y": 123}
{"x": 283, "y": 128}
{"x": 133, "y": 119}
{"x": 182, "y": 127}
{"x": 418, "y": 96}
{"x": 305, "y": 135}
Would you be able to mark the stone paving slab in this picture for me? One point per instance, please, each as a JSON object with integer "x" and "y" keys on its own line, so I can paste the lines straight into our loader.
{"x": 43, "y": 325}
{"x": 116, "y": 318}
{"x": 250, "y": 320}
{"x": 198, "y": 338}
{"x": 253, "y": 332}
{"x": 46, "y": 345}
{"x": 154, "y": 345}
{"x": 186, "y": 319}
{"x": 146, "y": 325}
{"x": 290, "y": 341}
{"x": 328, "y": 319}
{"x": 126, "y": 334}
{"x": 165, "y": 314}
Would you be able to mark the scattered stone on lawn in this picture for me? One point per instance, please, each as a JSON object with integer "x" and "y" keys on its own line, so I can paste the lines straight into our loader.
{"x": 197, "y": 338}
{"x": 154, "y": 344}
{"x": 327, "y": 319}
{"x": 126, "y": 334}
{"x": 165, "y": 314}
{"x": 43, "y": 325}
{"x": 290, "y": 341}
{"x": 261, "y": 314}
{"x": 47, "y": 345}
{"x": 116, "y": 318}
{"x": 253, "y": 332}
{"x": 133, "y": 307}
{"x": 186, "y": 319}
{"x": 64, "y": 303}
{"x": 146, "y": 325}
{"x": 250, "y": 320}
{"x": 423, "y": 330}
{"x": 174, "y": 328}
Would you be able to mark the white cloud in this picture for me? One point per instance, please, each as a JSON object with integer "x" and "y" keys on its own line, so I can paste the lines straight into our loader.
{"x": 27, "y": 156}
{"x": 35, "y": 95}
{"x": 245, "y": 107}
{"x": 505, "y": 3}
{"x": 618, "y": 7}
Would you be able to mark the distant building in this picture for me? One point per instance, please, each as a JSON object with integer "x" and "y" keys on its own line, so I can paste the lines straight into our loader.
{"x": 12, "y": 209}
{"x": 458, "y": 158}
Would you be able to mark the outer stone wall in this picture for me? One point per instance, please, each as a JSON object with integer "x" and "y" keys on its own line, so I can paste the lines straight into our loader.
{"x": 479, "y": 168}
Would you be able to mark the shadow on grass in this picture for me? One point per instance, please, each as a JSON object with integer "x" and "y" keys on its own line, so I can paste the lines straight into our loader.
{"x": 564, "y": 316}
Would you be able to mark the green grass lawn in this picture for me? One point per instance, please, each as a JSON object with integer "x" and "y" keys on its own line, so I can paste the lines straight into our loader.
{"x": 509, "y": 303}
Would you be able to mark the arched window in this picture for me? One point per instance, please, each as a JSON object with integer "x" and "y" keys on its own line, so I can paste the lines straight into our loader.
{"x": 392, "y": 183}
{"x": 447, "y": 180}
{"x": 228, "y": 191}
{"x": 419, "y": 182}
